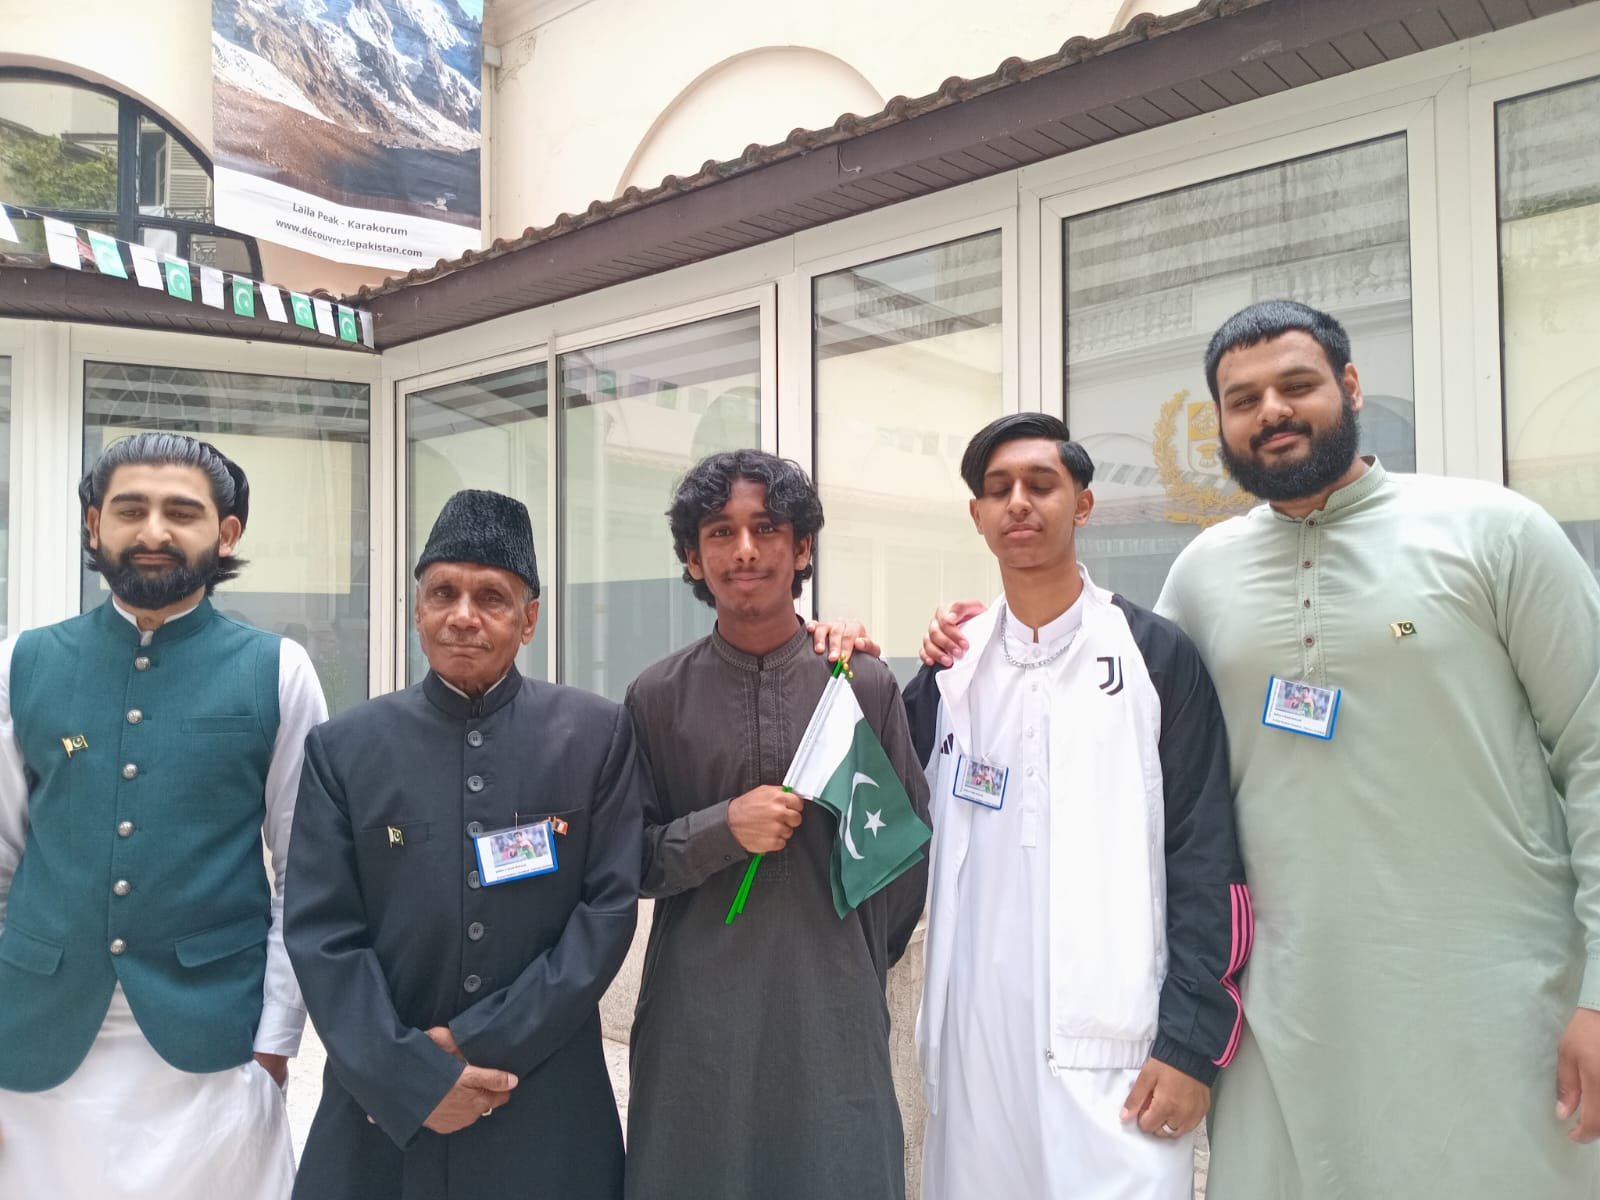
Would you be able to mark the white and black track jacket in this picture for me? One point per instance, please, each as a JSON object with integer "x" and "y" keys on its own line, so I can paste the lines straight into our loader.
{"x": 1150, "y": 921}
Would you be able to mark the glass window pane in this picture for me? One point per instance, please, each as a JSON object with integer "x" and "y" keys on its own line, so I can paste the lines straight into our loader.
{"x": 58, "y": 146}
{"x": 1549, "y": 183}
{"x": 303, "y": 444}
{"x": 5, "y": 490}
{"x": 909, "y": 365}
{"x": 30, "y": 234}
{"x": 492, "y": 433}
{"x": 1148, "y": 282}
{"x": 162, "y": 241}
{"x": 172, "y": 182}
{"x": 636, "y": 415}
{"x": 231, "y": 254}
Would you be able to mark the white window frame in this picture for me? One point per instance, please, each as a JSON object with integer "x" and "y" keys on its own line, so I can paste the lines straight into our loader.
{"x": 18, "y": 340}
{"x": 1414, "y": 120}
{"x": 396, "y": 556}
{"x": 652, "y": 306}
{"x": 56, "y": 529}
{"x": 1439, "y": 99}
{"x": 827, "y": 254}
{"x": 1486, "y": 351}
{"x": 763, "y": 298}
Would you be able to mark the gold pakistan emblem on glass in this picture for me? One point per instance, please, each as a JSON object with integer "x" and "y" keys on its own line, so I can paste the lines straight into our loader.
{"x": 1200, "y": 486}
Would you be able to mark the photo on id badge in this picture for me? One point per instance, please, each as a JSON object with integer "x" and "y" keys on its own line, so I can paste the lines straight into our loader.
{"x": 516, "y": 853}
{"x": 980, "y": 782}
{"x": 1299, "y": 707}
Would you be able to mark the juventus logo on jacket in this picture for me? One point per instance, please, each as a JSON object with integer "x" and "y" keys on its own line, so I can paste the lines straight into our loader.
{"x": 1112, "y": 683}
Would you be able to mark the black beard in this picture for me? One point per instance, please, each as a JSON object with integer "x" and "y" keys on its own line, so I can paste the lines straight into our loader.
{"x": 1330, "y": 457}
{"x": 142, "y": 589}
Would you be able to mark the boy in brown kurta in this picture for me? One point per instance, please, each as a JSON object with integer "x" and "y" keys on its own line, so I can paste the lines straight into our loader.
{"x": 760, "y": 1050}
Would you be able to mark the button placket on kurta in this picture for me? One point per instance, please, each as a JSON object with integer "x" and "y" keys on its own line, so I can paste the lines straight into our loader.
{"x": 1035, "y": 758}
{"x": 768, "y": 763}
{"x": 132, "y": 749}
{"x": 476, "y": 793}
{"x": 1308, "y": 609}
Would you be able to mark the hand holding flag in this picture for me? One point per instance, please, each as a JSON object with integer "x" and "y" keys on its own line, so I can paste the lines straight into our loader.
{"x": 765, "y": 818}
{"x": 842, "y": 766}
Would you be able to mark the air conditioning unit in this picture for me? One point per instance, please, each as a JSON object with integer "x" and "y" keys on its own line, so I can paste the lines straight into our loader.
{"x": 188, "y": 186}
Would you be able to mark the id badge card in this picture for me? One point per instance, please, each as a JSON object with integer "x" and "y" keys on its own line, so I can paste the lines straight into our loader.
{"x": 980, "y": 782}
{"x": 1300, "y": 707}
{"x": 520, "y": 852}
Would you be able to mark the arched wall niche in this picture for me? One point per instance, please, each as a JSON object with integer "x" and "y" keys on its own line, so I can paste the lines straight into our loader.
{"x": 757, "y": 96}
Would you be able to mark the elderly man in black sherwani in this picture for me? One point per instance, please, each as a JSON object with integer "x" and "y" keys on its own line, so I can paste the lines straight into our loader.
{"x": 463, "y": 878}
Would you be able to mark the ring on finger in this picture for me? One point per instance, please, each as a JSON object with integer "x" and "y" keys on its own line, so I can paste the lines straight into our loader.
{"x": 1168, "y": 1131}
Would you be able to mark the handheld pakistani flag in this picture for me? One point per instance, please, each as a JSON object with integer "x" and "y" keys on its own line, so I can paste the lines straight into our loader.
{"x": 842, "y": 766}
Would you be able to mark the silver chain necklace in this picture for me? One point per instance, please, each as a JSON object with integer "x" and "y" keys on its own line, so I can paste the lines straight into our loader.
{"x": 1041, "y": 662}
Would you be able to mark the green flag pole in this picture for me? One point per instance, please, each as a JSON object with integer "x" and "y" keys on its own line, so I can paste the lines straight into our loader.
{"x": 737, "y": 906}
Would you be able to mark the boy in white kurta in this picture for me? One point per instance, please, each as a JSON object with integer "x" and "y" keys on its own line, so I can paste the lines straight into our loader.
{"x": 1088, "y": 916}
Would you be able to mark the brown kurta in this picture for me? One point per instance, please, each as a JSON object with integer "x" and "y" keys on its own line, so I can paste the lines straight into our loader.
{"x": 760, "y": 1053}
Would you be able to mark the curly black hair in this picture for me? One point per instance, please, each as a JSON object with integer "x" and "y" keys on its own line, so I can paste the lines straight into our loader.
{"x": 791, "y": 500}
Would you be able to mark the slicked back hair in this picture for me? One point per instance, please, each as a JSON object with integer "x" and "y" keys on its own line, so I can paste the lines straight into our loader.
{"x": 230, "y": 489}
{"x": 1014, "y": 427}
{"x": 1269, "y": 319}
{"x": 703, "y": 492}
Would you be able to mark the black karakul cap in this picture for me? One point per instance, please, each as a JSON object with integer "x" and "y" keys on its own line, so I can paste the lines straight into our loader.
{"x": 485, "y": 528}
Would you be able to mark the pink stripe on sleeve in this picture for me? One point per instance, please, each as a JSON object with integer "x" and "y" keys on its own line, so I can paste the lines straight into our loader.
{"x": 1244, "y": 936}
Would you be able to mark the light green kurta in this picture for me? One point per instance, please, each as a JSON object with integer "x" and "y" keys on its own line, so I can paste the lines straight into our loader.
{"x": 1426, "y": 884}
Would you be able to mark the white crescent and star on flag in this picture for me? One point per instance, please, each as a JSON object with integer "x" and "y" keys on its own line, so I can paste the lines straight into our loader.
{"x": 875, "y": 820}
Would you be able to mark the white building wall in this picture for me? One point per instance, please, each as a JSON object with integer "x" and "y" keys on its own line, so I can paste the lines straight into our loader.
{"x": 590, "y": 98}
{"x": 584, "y": 87}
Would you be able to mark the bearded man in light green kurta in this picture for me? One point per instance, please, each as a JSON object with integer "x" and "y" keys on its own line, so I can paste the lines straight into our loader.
{"x": 1419, "y": 1008}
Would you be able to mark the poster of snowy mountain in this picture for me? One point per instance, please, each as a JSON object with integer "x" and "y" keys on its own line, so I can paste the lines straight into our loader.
{"x": 350, "y": 128}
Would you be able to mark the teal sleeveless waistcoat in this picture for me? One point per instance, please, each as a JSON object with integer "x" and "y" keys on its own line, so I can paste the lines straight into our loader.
{"x": 143, "y": 857}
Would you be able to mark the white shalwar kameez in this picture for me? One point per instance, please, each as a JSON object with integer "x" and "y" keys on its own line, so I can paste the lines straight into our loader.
{"x": 1009, "y": 1125}
{"x": 127, "y": 1125}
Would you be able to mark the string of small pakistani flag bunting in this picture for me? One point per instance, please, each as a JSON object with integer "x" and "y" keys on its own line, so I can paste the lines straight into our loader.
{"x": 70, "y": 245}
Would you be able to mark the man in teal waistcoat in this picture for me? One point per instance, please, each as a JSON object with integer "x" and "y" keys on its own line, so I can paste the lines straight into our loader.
{"x": 147, "y": 1006}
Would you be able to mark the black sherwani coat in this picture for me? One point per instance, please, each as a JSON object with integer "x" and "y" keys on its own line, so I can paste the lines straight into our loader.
{"x": 393, "y": 933}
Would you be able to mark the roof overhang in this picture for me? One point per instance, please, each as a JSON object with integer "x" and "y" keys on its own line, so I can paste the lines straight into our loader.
{"x": 54, "y": 294}
{"x": 1156, "y": 71}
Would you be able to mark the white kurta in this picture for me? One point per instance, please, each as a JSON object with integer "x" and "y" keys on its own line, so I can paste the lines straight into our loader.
{"x": 1008, "y": 1123}
{"x": 127, "y": 1124}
